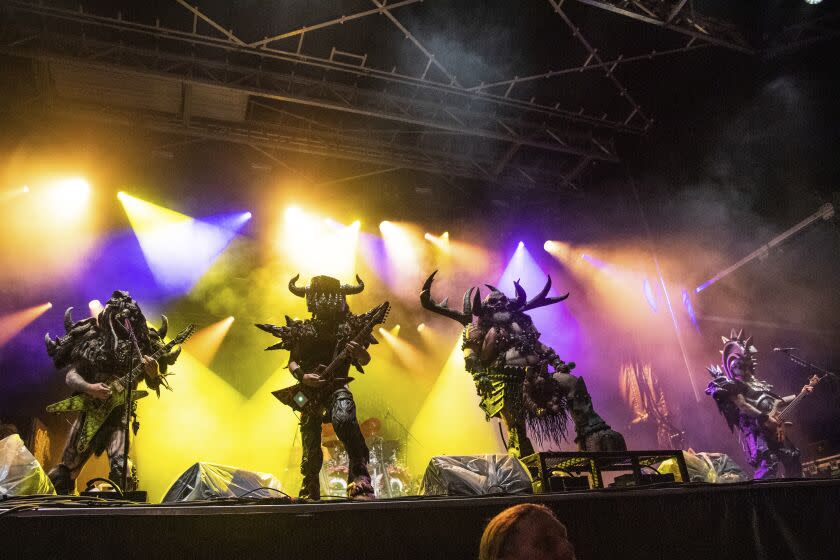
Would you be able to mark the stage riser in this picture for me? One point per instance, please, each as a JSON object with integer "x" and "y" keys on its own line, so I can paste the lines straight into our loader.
{"x": 777, "y": 520}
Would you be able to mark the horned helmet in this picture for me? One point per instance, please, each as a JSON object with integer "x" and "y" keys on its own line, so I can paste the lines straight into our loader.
{"x": 738, "y": 356}
{"x": 325, "y": 295}
{"x": 495, "y": 307}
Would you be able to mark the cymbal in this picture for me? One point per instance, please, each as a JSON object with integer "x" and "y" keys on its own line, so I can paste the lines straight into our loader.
{"x": 370, "y": 427}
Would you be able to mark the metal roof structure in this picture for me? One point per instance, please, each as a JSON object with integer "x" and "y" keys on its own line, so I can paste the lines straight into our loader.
{"x": 360, "y": 80}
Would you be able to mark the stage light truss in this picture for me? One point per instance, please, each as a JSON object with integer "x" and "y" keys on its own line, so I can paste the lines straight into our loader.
{"x": 678, "y": 16}
{"x": 337, "y": 106}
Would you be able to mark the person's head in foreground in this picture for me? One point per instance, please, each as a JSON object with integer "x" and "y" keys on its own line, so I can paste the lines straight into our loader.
{"x": 525, "y": 531}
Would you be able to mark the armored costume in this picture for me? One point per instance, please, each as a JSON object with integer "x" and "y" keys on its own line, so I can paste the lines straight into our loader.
{"x": 745, "y": 402}
{"x": 313, "y": 343}
{"x": 94, "y": 351}
{"x": 510, "y": 368}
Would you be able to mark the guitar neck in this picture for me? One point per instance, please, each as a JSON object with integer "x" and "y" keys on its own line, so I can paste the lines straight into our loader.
{"x": 363, "y": 333}
{"x": 131, "y": 376}
{"x": 788, "y": 410}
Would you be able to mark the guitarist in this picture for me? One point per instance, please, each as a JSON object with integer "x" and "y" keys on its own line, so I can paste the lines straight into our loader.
{"x": 312, "y": 344}
{"x": 748, "y": 403}
{"x": 93, "y": 351}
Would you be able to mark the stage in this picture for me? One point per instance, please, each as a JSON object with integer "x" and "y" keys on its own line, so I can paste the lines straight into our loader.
{"x": 796, "y": 519}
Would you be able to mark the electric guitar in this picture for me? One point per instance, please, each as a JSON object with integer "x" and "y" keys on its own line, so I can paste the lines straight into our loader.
{"x": 96, "y": 411}
{"x": 781, "y": 411}
{"x": 305, "y": 399}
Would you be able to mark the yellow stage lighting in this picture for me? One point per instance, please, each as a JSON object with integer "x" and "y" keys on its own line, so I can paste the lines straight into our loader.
{"x": 95, "y": 307}
{"x": 13, "y": 323}
{"x": 451, "y": 402}
{"x": 421, "y": 327}
{"x": 439, "y": 241}
{"x": 316, "y": 245}
{"x": 204, "y": 344}
{"x": 65, "y": 198}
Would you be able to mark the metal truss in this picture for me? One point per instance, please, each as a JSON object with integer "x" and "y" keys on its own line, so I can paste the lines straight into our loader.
{"x": 678, "y": 16}
{"x": 336, "y": 106}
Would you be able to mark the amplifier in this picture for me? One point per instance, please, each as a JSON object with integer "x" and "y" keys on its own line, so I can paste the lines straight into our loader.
{"x": 826, "y": 467}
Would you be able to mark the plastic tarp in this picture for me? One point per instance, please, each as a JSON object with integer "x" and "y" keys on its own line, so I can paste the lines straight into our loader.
{"x": 715, "y": 468}
{"x": 473, "y": 475}
{"x": 208, "y": 481}
{"x": 20, "y": 472}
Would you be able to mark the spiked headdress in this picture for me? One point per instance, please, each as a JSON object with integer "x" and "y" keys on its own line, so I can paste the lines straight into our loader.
{"x": 738, "y": 351}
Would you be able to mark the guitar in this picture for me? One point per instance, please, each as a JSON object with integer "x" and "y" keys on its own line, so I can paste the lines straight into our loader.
{"x": 304, "y": 399}
{"x": 96, "y": 411}
{"x": 781, "y": 411}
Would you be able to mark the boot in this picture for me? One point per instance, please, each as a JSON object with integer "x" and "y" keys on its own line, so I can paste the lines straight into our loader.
{"x": 361, "y": 488}
{"x": 63, "y": 482}
{"x": 310, "y": 489}
{"x": 593, "y": 433}
{"x": 518, "y": 444}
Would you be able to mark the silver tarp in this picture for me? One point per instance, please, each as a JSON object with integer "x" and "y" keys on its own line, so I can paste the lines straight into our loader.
{"x": 472, "y": 475}
{"x": 20, "y": 472}
{"x": 207, "y": 481}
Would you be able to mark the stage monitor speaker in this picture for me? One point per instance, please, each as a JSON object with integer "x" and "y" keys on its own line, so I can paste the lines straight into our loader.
{"x": 475, "y": 475}
{"x": 207, "y": 481}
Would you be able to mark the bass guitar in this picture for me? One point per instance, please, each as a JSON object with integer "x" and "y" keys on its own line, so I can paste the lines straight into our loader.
{"x": 781, "y": 412}
{"x": 304, "y": 399}
{"x": 96, "y": 411}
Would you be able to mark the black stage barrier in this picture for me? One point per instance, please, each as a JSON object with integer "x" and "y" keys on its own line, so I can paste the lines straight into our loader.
{"x": 791, "y": 520}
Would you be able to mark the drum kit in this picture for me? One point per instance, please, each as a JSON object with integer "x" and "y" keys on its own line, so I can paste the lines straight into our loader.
{"x": 388, "y": 473}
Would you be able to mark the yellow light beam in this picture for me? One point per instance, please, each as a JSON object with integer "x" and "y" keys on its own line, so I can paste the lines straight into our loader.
{"x": 450, "y": 421}
{"x": 13, "y": 323}
{"x": 205, "y": 343}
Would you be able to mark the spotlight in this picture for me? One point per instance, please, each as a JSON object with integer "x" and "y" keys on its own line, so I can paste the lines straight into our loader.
{"x": 521, "y": 245}
{"x": 95, "y": 307}
{"x": 49, "y": 305}
{"x": 385, "y": 225}
{"x": 25, "y": 188}
{"x": 248, "y": 215}
{"x": 421, "y": 327}
{"x": 813, "y": 2}
{"x": 356, "y": 225}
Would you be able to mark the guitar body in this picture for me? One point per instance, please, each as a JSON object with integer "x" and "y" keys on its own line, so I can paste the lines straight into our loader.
{"x": 777, "y": 431}
{"x": 304, "y": 399}
{"x": 782, "y": 410}
{"x": 312, "y": 400}
{"x": 96, "y": 411}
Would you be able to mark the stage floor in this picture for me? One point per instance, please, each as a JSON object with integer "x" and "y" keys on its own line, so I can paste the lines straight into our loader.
{"x": 794, "y": 519}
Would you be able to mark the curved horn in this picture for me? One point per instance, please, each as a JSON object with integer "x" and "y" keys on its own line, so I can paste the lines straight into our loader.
{"x": 493, "y": 288}
{"x": 541, "y": 301}
{"x": 543, "y": 292}
{"x": 164, "y": 326}
{"x": 468, "y": 302}
{"x": 299, "y": 292}
{"x": 521, "y": 297}
{"x": 350, "y": 290}
{"x": 68, "y": 319}
{"x": 476, "y": 306}
{"x": 428, "y": 303}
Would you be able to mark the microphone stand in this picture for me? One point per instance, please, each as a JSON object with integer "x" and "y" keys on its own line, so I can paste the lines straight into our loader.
{"x": 129, "y": 393}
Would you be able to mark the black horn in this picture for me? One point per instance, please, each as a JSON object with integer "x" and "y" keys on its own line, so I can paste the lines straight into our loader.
{"x": 68, "y": 319}
{"x": 299, "y": 292}
{"x": 428, "y": 303}
{"x": 521, "y": 297}
{"x": 541, "y": 301}
{"x": 476, "y": 306}
{"x": 348, "y": 290}
{"x": 164, "y": 326}
{"x": 468, "y": 302}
